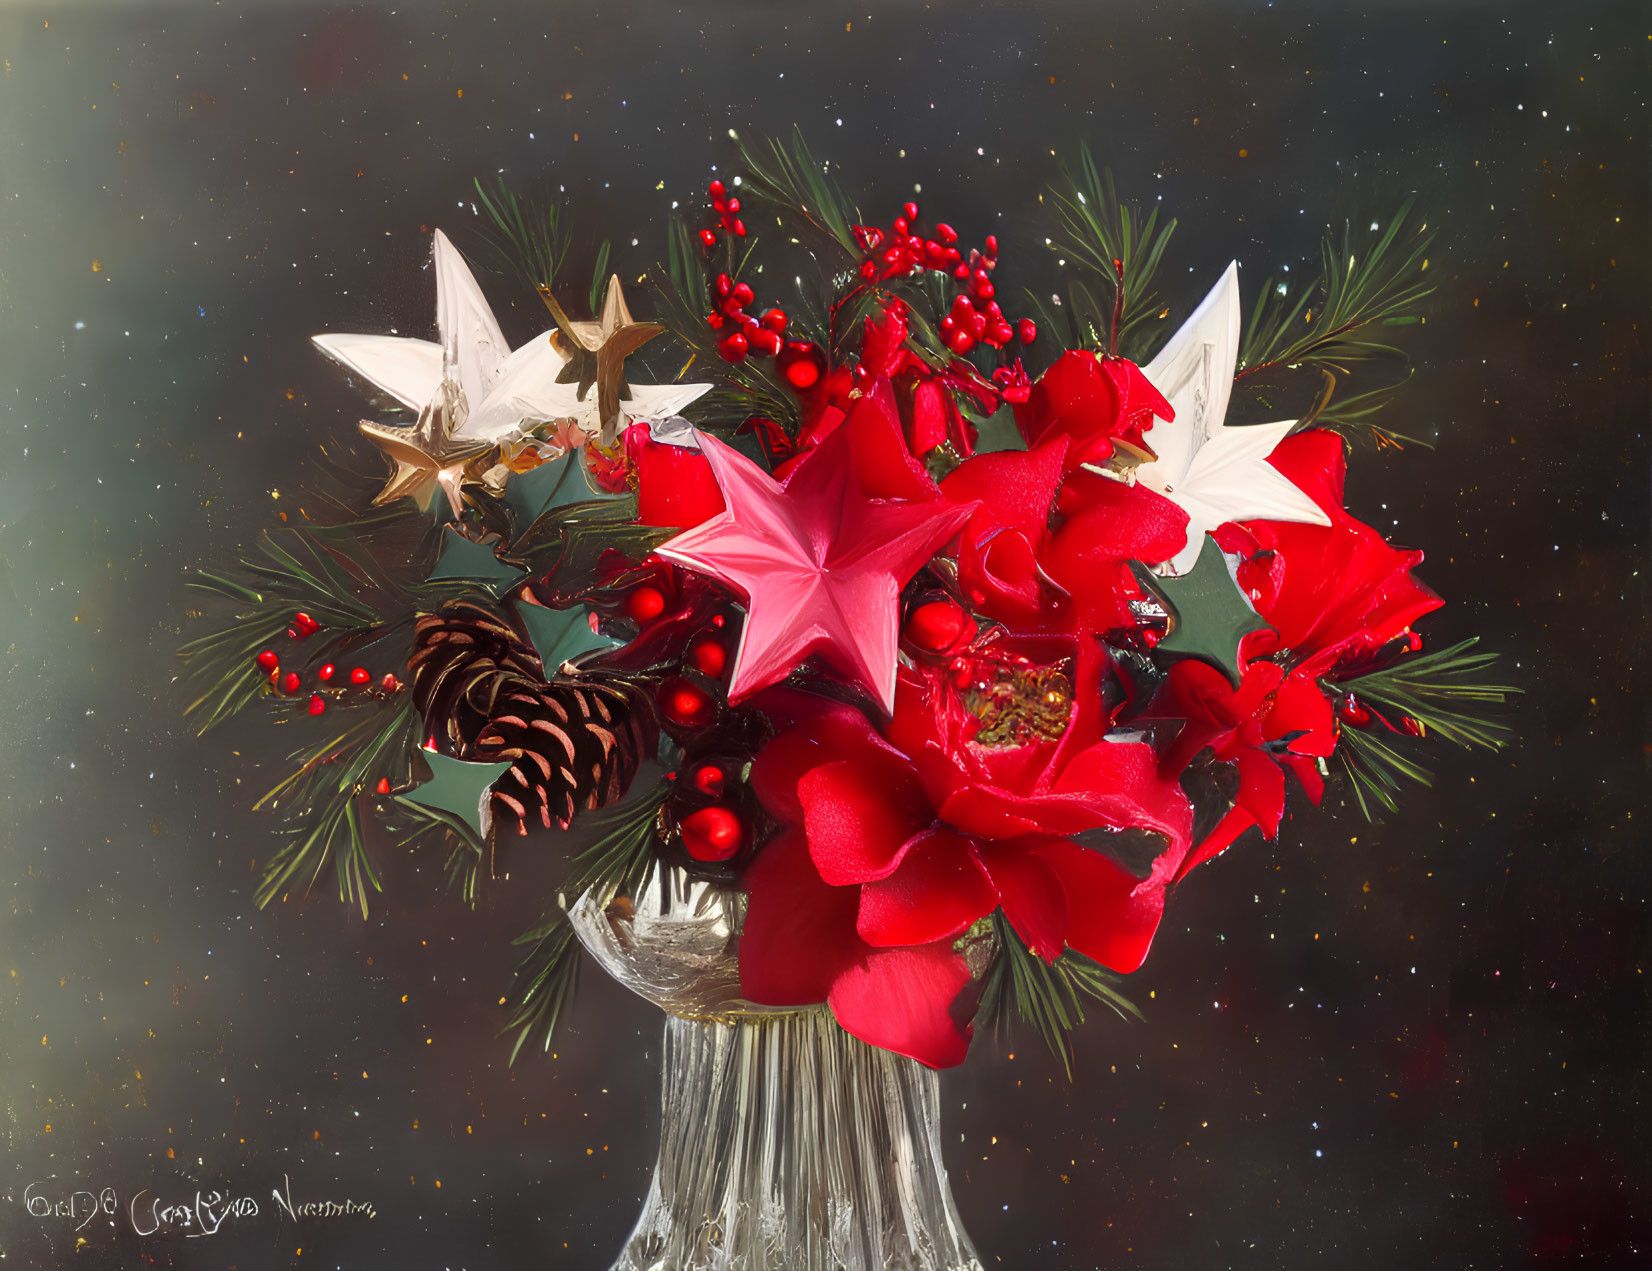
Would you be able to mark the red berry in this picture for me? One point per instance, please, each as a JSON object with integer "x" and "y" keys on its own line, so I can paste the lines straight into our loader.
{"x": 360, "y": 675}
{"x": 290, "y": 682}
{"x": 326, "y": 673}
{"x": 390, "y": 683}
{"x": 708, "y": 239}
{"x": 645, "y": 603}
{"x": 317, "y": 703}
{"x": 711, "y": 834}
{"x": 937, "y": 625}
{"x": 723, "y": 286}
{"x": 1026, "y": 330}
{"x": 268, "y": 659}
{"x": 383, "y": 786}
{"x": 802, "y": 363}
{"x": 739, "y": 228}
{"x": 775, "y": 320}
{"x": 305, "y": 623}
{"x": 708, "y": 656}
{"x": 764, "y": 342}
{"x": 742, "y": 293}
{"x": 910, "y": 212}
{"x": 717, "y": 191}
{"x": 684, "y": 704}
{"x": 1150, "y": 636}
{"x": 708, "y": 779}
{"x": 946, "y": 234}
{"x": 732, "y": 348}
{"x": 293, "y": 633}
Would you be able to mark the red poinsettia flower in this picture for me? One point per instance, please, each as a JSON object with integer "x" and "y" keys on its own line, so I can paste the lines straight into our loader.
{"x": 1271, "y": 722}
{"x": 895, "y": 845}
{"x": 1334, "y": 594}
{"x": 675, "y": 485}
{"x": 1017, "y": 570}
{"x": 1092, "y": 399}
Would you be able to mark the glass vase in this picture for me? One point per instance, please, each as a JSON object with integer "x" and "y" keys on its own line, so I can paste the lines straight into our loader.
{"x": 786, "y": 1144}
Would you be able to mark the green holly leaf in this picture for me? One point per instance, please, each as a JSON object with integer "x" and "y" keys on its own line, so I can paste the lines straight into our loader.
{"x": 561, "y": 634}
{"x": 460, "y": 790}
{"x": 556, "y": 484}
{"x": 462, "y": 558}
{"x": 1209, "y": 615}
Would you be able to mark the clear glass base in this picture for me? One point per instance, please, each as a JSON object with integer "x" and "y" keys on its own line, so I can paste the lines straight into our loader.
{"x": 788, "y": 1145}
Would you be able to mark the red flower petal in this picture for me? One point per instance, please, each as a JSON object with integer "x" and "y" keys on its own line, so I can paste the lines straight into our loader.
{"x": 1091, "y": 400}
{"x": 1014, "y": 488}
{"x": 817, "y": 731}
{"x": 903, "y": 1000}
{"x": 937, "y": 890}
{"x": 799, "y": 934}
{"x": 860, "y": 817}
{"x": 1261, "y": 790}
{"x": 1111, "y": 917}
{"x": 1032, "y": 896}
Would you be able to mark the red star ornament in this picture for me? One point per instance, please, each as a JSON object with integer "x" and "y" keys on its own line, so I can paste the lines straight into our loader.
{"x": 819, "y": 561}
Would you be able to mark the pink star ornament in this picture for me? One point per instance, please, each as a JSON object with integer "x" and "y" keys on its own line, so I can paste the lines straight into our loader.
{"x": 819, "y": 561}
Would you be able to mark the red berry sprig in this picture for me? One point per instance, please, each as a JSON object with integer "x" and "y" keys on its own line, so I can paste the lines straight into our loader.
{"x": 728, "y": 216}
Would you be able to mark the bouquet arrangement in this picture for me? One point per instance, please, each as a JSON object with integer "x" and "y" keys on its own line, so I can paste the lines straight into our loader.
{"x": 939, "y": 633}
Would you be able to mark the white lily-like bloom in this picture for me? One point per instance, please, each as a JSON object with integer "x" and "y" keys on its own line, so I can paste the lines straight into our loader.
{"x": 1213, "y": 472}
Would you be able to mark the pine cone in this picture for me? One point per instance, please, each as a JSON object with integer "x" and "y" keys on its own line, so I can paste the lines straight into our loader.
{"x": 571, "y": 743}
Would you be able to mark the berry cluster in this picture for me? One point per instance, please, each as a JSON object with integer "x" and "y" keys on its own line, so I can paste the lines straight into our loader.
{"x": 303, "y": 627}
{"x": 740, "y": 335}
{"x": 975, "y": 317}
{"x": 728, "y": 215}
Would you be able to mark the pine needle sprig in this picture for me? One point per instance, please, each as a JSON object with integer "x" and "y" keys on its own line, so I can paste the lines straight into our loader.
{"x": 1445, "y": 693}
{"x": 413, "y": 825}
{"x": 1330, "y": 322}
{"x": 1353, "y": 418}
{"x": 1118, "y": 244}
{"x": 619, "y": 861}
{"x": 790, "y": 180}
{"x": 526, "y": 235}
{"x": 323, "y": 825}
{"x": 221, "y": 674}
{"x": 1049, "y": 996}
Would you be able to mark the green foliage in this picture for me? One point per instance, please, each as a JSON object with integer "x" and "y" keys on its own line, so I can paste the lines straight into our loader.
{"x": 787, "y": 178}
{"x": 1444, "y": 692}
{"x": 1354, "y": 418}
{"x": 297, "y": 573}
{"x": 619, "y": 861}
{"x": 1331, "y": 321}
{"x": 357, "y": 745}
{"x": 1120, "y": 247}
{"x": 1049, "y": 996}
{"x": 414, "y": 825}
{"x": 599, "y": 277}
{"x": 525, "y": 234}
{"x": 567, "y": 539}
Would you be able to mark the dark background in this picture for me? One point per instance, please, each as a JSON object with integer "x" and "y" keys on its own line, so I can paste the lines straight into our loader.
{"x": 1417, "y": 1045}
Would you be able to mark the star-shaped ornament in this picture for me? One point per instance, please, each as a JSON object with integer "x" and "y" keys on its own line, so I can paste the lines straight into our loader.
{"x": 596, "y": 353}
{"x": 461, "y": 790}
{"x": 1213, "y": 472}
{"x": 819, "y": 562}
{"x": 473, "y": 394}
{"x": 1209, "y": 615}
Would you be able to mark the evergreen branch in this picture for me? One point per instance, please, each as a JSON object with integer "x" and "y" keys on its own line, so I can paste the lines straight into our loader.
{"x": 619, "y": 861}
{"x": 599, "y": 277}
{"x": 1434, "y": 689}
{"x": 323, "y": 826}
{"x": 544, "y": 982}
{"x": 1353, "y": 418}
{"x": 525, "y": 235}
{"x": 1329, "y": 322}
{"x": 416, "y": 825}
{"x": 1050, "y": 996}
{"x": 1117, "y": 243}
{"x": 795, "y": 184}
{"x": 220, "y": 672}
{"x": 1443, "y": 692}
